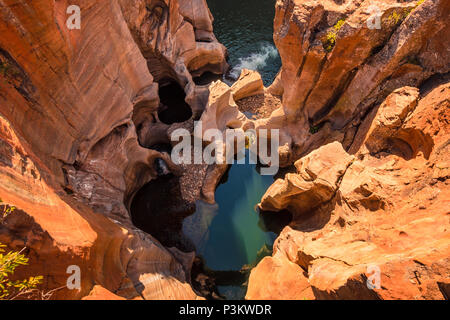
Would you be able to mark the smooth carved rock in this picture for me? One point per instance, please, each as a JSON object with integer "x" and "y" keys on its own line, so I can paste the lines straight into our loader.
{"x": 59, "y": 231}
{"x": 71, "y": 131}
{"x": 285, "y": 281}
{"x": 316, "y": 181}
{"x": 389, "y": 131}
{"x": 221, "y": 111}
{"x": 249, "y": 84}
{"x": 180, "y": 45}
{"x": 100, "y": 293}
{"x": 389, "y": 213}
{"x": 276, "y": 88}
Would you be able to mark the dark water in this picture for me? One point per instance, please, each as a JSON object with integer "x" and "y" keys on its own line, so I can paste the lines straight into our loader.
{"x": 231, "y": 233}
{"x": 245, "y": 27}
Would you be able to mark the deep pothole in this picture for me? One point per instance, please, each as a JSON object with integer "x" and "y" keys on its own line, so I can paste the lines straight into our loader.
{"x": 229, "y": 237}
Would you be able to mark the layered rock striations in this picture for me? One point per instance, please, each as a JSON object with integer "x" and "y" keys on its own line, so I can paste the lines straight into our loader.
{"x": 366, "y": 107}
{"x": 382, "y": 210}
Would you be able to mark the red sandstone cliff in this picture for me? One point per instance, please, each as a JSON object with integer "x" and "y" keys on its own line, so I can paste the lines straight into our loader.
{"x": 385, "y": 206}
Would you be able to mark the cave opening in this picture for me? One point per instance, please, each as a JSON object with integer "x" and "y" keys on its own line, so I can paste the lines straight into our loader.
{"x": 173, "y": 107}
{"x": 158, "y": 208}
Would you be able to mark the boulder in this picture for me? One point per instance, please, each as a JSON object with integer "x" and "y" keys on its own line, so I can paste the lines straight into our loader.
{"x": 282, "y": 280}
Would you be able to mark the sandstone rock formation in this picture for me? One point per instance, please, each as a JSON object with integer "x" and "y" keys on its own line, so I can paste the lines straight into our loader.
{"x": 284, "y": 281}
{"x": 389, "y": 211}
{"x": 222, "y": 113}
{"x": 100, "y": 293}
{"x": 315, "y": 183}
{"x": 73, "y": 104}
{"x": 177, "y": 40}
{"x": 59, "y": 232}
{"x": 249, "y": 84}
{"x": 383, "y": 204}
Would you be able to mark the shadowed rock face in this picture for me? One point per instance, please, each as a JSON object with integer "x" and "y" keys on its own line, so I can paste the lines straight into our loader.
{"x": 73, "y": 105}
{"x": 177, "y": 40}
{"x": 173, "y": 108}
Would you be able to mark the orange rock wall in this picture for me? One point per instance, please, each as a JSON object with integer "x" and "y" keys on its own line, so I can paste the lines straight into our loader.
{"x": 70, "y": 157}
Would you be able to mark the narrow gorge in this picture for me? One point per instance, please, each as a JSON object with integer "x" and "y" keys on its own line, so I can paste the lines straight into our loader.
{"x": 355, "y": 95}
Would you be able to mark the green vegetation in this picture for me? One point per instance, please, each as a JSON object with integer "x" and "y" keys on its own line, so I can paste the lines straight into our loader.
{"x": 6, "y": 211}
{"x": 10, "y": 289}
{"x": 9, "y": 262}
{"x": 330, "y": 39}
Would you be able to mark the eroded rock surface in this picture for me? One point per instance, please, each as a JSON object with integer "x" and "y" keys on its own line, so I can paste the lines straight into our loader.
{"x": 388, "y": 213}
{"x": 317, "y": 179}
{"x": 337, "y": 65}
{"x": 248, "y": 84}
{"x": 76, "y": 108}
{"x": 81, "y": 112}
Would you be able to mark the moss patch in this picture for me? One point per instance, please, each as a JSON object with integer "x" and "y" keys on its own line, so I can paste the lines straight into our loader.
{"x": 329, "y": 41}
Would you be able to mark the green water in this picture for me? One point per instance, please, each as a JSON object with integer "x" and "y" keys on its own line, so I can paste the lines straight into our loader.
{"x": 229, "y": 234}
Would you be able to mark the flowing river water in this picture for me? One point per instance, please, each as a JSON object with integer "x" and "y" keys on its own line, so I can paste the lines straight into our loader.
{"x": 231, "y": 235}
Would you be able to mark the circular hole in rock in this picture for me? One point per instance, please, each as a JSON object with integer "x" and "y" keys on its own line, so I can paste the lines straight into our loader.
{"x": 162, "y": 147}
{"x": 161, "y": 166}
